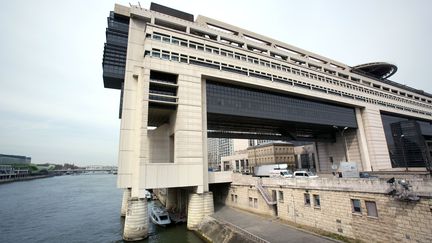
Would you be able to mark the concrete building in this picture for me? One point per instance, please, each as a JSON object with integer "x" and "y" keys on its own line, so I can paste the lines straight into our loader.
{"x": 254, "y": 142}
{"x": 6, "y": 159}
{"x": 222, "y": 147}
{"x": 272, "y": 153}
{"x": 195, "y": 79}
{"x": 238, "y": 162}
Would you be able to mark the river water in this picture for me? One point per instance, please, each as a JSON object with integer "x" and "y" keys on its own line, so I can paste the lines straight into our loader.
{"x": 82, "y": 208}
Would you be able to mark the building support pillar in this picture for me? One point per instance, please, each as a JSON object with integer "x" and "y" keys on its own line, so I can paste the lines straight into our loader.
{"x": 126, "y": 197}
{"x": 363, "y": 144}
{"x": 171, "y": 199}
{"x": 199, "y": 206}
{"x": 136, "y": 222}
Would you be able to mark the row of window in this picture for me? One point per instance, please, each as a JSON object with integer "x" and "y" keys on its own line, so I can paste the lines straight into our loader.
{"x": 272, "y": 159}
{"x": 280, "y": 67}
{"x": 316, "y": 200}
{"x": 253, "y": 201}
{"x": 371, "y": 208}
{"x": 234, "y": 198}
{"x": 293, "y": 82}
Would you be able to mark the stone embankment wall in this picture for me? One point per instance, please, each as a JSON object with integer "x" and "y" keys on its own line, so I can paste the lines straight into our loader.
{"x": 26, "y": 178}
{"x": 327, "y": 204}
{"x": 213, "y": 230}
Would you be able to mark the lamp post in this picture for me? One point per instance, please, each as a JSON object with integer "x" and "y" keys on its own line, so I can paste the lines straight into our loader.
{"x": 345, "y": 143}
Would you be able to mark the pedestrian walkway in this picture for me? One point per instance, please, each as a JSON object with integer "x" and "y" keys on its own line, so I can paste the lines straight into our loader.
{"x": 266, "y": 228}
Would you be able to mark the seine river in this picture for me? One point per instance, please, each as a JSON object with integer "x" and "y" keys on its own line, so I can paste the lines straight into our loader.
{"x": 82, "y": 208}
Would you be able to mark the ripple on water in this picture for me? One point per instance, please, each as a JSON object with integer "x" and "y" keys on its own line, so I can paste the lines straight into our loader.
{"x": 83, "y": 208}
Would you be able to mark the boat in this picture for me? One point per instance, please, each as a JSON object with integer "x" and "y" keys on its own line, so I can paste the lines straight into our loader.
{"x": 147, "y": 195}
{"x": 159, "y": 216}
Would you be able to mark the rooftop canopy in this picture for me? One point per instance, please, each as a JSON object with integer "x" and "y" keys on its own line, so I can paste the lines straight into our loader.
{"x": 380, "y": 70}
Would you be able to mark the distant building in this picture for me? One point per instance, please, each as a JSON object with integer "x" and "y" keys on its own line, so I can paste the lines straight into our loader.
{"x": 255, "y": 142}
{"x": 6, "y": 159}
{"x": 220, "y": 147}
{"x": 238, "y": 162}
{"x": 272, "y": 153}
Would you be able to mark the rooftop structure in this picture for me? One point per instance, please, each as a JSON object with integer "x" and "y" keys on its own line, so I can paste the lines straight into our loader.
{"x": 380, "y": 70}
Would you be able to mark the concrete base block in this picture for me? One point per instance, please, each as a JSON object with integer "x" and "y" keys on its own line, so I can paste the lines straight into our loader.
{"x": 208, "y": 203}
{"x": 136, "y": 222}
{"x": 126, "y": 197}
{"x": 200, "y": 205}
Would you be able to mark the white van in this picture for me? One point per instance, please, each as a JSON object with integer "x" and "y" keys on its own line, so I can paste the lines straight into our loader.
{"x": 304, "y": 174}
{"x": 281, "y": 173}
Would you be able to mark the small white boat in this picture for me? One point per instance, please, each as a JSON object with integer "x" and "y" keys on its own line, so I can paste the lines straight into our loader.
{"x": 147, "y": 195}
{"x": 159, "y": 216}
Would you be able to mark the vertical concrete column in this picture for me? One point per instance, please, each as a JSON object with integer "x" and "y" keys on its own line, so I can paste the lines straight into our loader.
{"x": 126, "y": 197}
{"x": 323, "y": 157}
{"x": 315, "y": 156}
{"x": 136, "y": 222}
{"x": 205, "y": 186}
{"x": 361, "y": 135}
{"x": 171, "y": 199}
{"x": 376, "y": 141}
{"x": 195, "y": 210}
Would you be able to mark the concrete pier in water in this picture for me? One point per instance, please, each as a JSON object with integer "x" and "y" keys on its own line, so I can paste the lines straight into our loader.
{"x": 199, "y": 206}
{"x": 136, "y": 222}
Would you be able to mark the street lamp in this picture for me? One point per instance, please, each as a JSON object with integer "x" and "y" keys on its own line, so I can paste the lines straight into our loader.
{"x": 345, "y": 143}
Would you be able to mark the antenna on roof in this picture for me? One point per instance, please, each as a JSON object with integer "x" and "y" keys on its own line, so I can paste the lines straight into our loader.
{"x": 130, "y": 5}
{"x": 139, "y": 4}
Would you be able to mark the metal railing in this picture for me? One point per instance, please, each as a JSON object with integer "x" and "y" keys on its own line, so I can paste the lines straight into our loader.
{"x": 246, "y": 233}
{"x": 264, "y": 194}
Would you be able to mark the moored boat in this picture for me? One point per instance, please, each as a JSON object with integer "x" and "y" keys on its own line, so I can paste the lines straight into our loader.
{"x": 159, "y": 216}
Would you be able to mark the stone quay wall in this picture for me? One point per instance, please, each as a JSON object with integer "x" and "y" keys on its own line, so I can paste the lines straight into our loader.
{"x": 353, "y": 207}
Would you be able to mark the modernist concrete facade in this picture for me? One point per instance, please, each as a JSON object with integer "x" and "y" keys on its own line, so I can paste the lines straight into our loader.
{"x": 194, "y": 79}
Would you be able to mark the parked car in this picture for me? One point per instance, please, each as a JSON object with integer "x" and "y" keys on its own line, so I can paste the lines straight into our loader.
{"x": 304, "y": 174}
{"x": 281, "y": 173}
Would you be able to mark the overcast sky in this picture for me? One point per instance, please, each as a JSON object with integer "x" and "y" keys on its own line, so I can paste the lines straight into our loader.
{"x": 53, "y": 106}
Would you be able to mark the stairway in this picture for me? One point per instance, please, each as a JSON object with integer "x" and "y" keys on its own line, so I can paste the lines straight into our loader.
{"x": 264, "y": 193}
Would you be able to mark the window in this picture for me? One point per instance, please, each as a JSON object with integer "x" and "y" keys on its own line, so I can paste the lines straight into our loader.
{"x": 250, "y": 202}
{"x": 280, "y": 196}
{"x": 235, "y": 198}
{"x": 356, "y": 208}
{"x": 371, "y": 209}
{"x": 232, "y": 197}
{"x": 255, "y": 202}
{"x": 317, "y": 202}
{"x": 307, "y": 199}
